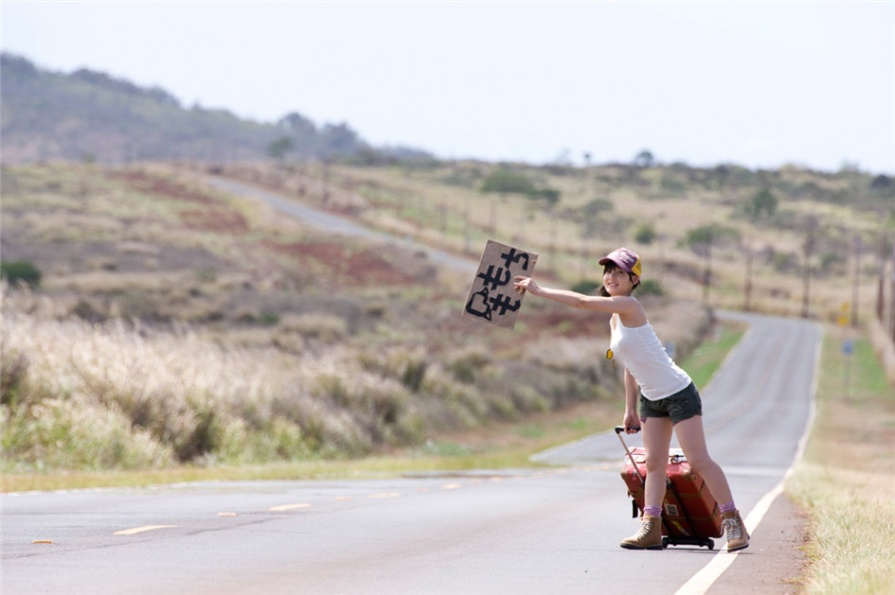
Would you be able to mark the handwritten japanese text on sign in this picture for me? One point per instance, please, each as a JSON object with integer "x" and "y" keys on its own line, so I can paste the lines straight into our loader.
{"x": 492, "y": 297}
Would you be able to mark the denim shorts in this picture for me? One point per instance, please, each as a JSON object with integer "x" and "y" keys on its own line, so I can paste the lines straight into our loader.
{"x": 680, "y": 406}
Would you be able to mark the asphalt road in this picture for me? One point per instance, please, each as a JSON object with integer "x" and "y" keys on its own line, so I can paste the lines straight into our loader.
{"x": 553, "y": 530}
{"x": 322, "y": 220}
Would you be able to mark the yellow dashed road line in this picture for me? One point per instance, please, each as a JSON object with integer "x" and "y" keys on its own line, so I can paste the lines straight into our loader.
{"x": 136, "y": 530}
{"x": 285, "y": 507}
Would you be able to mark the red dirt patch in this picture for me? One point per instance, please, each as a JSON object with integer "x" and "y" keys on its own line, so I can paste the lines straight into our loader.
{"x": 146, "y": 182}
{"x": 215, "y": 220}
{"x": 351, "y": 266}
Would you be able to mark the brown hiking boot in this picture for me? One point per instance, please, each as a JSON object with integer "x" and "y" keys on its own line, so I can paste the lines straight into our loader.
{"x": 737, "y": 536}
{"x": 648, "y": 538}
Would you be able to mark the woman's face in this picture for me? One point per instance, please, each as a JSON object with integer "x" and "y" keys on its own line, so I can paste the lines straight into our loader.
{"x": 617, "y": 281}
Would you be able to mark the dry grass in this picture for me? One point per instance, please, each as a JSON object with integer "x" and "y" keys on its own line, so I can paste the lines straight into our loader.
{"x": 846, "y": 481}
{"x": 85, "y": 396}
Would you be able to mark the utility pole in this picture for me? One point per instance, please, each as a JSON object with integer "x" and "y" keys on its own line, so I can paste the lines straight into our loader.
{"x": 584, "y": 251}
{"x": 806, "y": 272}
{"x": 584, "y": 185}
{"x": 553, "y": 267}
{"x": 747, "y": 291}
{"x": 881, "y": 281}
{"x": 892, "y": 297}
{"x": 466, "y": 225}
{"x": 857, "y": 280}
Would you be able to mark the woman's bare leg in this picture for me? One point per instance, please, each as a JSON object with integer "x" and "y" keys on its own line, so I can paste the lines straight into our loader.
{"x": 656, "y": 440}
{"x": 691, "y": 436}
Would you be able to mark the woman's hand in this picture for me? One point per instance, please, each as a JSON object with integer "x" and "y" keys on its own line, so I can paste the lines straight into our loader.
{"x": 523, "y": 284}
{"x": 631, "y": 423}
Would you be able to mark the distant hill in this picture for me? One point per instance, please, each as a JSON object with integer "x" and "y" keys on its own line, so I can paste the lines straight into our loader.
{"x": 90, "y": 116}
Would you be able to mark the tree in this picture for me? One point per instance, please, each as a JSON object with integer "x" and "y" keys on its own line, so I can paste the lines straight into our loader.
{"x": 807, "y": 251}
{"x": 762, "y": 206}
{"x": 646, "y": 234}
{"x": 701, "y": 240}
{"x": 506, "y": 181}
{"x": 339, "y": 138}
{"x": 550, "y": 196}
{"x": 881, "y": 181}
{"x": 278, "y": 148}
{"x": 297, "y": 124}
{"x": 20, "y": 271}
{"x": 644, "y": 159}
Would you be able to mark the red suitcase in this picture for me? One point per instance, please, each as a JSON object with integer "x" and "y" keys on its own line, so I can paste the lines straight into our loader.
{"x": 690, "y": 514}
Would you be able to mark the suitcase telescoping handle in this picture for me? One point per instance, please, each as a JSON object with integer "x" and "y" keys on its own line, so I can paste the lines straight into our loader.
{"x": 619, "y": 430}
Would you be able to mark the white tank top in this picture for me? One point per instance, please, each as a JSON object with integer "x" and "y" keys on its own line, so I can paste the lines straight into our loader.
{"x": 641, "y": 352}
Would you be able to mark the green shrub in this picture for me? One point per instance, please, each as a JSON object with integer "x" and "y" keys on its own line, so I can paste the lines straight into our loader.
{"x": 205, "y": 436}
{"x": 20, "y": 271}
{"x": 587, "y": 287}
{"x": 76, "y": 434}
{"x": 466, "y": 365}
{"x": 646, "y": 234}
{"x": 650, "y": 287}
{"x": 268, "y": 318}
{"x": 505, "y": 181}
{"x": 12, "y": 374}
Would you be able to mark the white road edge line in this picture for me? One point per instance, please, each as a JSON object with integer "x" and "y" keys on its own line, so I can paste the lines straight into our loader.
{"x": 701, "y": 582}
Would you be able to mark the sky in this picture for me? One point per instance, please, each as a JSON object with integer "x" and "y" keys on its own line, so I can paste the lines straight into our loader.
{"x": 758, "y": 84}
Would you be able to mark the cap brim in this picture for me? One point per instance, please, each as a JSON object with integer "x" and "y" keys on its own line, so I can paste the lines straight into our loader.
{"x": 606, "y": 260}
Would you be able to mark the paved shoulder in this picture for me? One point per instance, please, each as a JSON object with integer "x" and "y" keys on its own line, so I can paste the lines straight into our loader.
{"x": 775, "y": 561}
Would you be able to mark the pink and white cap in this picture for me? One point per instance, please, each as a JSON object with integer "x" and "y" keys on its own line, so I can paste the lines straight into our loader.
{"x": 627, "y": 260}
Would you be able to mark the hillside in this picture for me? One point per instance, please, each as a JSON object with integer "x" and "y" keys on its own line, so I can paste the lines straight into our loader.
{"x": 789, "y": 241}
{"x": 90, "y": 116}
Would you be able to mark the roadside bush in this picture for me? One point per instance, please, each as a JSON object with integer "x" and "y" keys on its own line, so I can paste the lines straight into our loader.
{"x": 467, "y": 364}
{"x": 20, "y": 271}
{"x": 12, "y": 373}
{"x": 76, "y": 434}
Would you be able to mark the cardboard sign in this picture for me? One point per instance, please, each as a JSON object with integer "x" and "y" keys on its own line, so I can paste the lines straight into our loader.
{"x": 492, "y": 297}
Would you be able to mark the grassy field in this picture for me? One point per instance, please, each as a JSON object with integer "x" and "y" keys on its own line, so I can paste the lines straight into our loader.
{"x": 846, "y": 481}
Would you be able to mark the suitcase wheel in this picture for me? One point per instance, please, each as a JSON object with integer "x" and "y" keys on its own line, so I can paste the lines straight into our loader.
{"x": 664, "y": 542}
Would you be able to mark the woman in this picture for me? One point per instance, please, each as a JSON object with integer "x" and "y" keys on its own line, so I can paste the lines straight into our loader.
{"x": 668, "y": 400}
